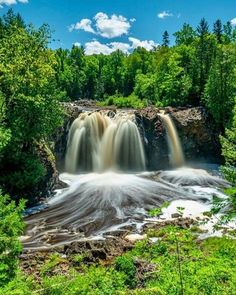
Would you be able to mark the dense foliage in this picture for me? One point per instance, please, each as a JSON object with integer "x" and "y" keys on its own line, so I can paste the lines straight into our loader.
{"x": 198, "y": 69}
{"x": 29, "y": 108}
{"x": 11, "y": 226}
{"x": 229, "y": 150}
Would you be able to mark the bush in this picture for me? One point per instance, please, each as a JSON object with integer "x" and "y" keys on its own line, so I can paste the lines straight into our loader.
{"x": 11, "y": 226}
{"x": 126, "y": 265}
{"x": 131, "y": 101}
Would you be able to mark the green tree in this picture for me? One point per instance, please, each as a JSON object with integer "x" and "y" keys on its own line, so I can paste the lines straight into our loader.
{"x": 228, "y": 142}
{"x": 173, "y": 83}
{"x": 218, "y": 30}
{"x": 220, "y": 90}
{"x": 165, "y": 39}
{"x": 185, "y": 36}
{"x": 205, "y": 52}
{"x": 145, "y": 87}
{"x": 30, "y": 99}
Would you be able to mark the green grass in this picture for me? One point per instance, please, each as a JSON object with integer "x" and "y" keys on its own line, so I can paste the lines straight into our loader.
{"x": 176, "y": 264}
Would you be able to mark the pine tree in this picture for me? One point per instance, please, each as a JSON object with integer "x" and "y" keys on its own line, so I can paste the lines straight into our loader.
{"x": 218, "y": 30}
{"x": 228, "y": 32}
{"x": 165, "y": 39}
{"x": 203, "y": 28}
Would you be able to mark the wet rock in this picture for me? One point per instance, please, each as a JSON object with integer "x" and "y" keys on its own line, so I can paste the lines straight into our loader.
{"x": 135, "y": 237}
{"x": 196, "y": 130}
{"x": 175, "y": 215}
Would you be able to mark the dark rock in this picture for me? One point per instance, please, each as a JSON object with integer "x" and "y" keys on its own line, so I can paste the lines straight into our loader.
{"x": 175, "y": 215}
{"x": 196, "y": 129}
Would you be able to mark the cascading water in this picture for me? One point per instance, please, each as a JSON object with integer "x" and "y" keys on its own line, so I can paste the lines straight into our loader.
{"x": 99, "y": 143}
{"x": 175, "y": 148}
{"x": 95, "y": 204}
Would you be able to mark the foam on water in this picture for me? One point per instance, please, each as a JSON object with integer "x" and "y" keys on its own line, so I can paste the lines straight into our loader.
{"x": 95, "y": 204}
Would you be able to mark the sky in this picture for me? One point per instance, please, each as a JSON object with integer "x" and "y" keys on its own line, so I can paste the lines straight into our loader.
{"x": 107, "y": 25}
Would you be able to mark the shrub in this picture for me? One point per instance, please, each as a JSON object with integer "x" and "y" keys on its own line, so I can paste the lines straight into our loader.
{"x": 126, "y": 265}
{"x": 11, "y": 226}
{"x": 131, "y": 101}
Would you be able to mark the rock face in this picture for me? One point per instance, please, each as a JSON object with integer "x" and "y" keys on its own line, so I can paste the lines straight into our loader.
{"x": 60, "y": 139}
{"x": 198, "y": 134}
{"x": 194, "y": 125}
{"x": 195, "y": 128}
{"x": 48, "y": 183}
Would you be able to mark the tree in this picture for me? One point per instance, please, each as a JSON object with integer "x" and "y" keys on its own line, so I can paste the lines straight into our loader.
{"x": 31, "y": 101}
{"x": 145, "y": 87}
{"x": 165, "y": 39}
{"x": 172, "y": 82}
{"x": 220, "y": 90}
{"x": 228, "y": 142}
{"x": 228, "y": 32}
{"x": 205, "y": 47}
{"x": 218, "y": 30}
{"x": 185, "y": 36}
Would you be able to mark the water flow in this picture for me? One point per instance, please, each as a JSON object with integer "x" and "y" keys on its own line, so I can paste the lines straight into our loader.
{"x": 176, "y": 151}
{"x": 99, "y": 143}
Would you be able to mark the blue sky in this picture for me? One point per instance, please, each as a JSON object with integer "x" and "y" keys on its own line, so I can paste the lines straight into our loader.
{"x": 103, "y": 25}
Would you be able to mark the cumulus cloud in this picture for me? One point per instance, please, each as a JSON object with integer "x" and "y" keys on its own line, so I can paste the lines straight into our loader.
{"x": 164, "y": 14}
{"x": 111, "y": 27}
{"x": 147, "y": 44}
{"x": 104, "y": 25}
{"x": 96, "y": 47}
{"x": 11, "y": 2}
{"x": 85, "y": 25}
{"x": 233, "y": 21}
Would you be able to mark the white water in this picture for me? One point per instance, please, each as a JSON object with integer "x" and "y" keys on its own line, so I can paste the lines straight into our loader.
{"x": 176, "y": 151}
{"x": 99, "y": 143}
{"x": 97, "y": 203}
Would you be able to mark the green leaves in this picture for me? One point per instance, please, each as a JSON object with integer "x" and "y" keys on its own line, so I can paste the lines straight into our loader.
{"x": 11, "y": 226}
{"x": 29, "y": 102}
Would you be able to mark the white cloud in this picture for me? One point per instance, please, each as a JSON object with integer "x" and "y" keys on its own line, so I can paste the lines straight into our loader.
{"x": 125, "y": 47}
{"x": 95, "y": 47}
{"x": 233, "y": 21}
{"x": 77, "y": 44}
{"x": 164, "y": 14}
{"x": 11, "y": 2}
{"x": 85, "y": 25}
{"x": 105, "y": 26}
{"x": 147, "y": 44}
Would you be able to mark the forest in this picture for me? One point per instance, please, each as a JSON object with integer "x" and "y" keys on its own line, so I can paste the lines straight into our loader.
{"x": 199, "y": 69}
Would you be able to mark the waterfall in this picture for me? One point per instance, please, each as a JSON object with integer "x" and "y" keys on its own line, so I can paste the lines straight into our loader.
{"x": 97, "y": 142}
{"x": 175, "y": 148}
